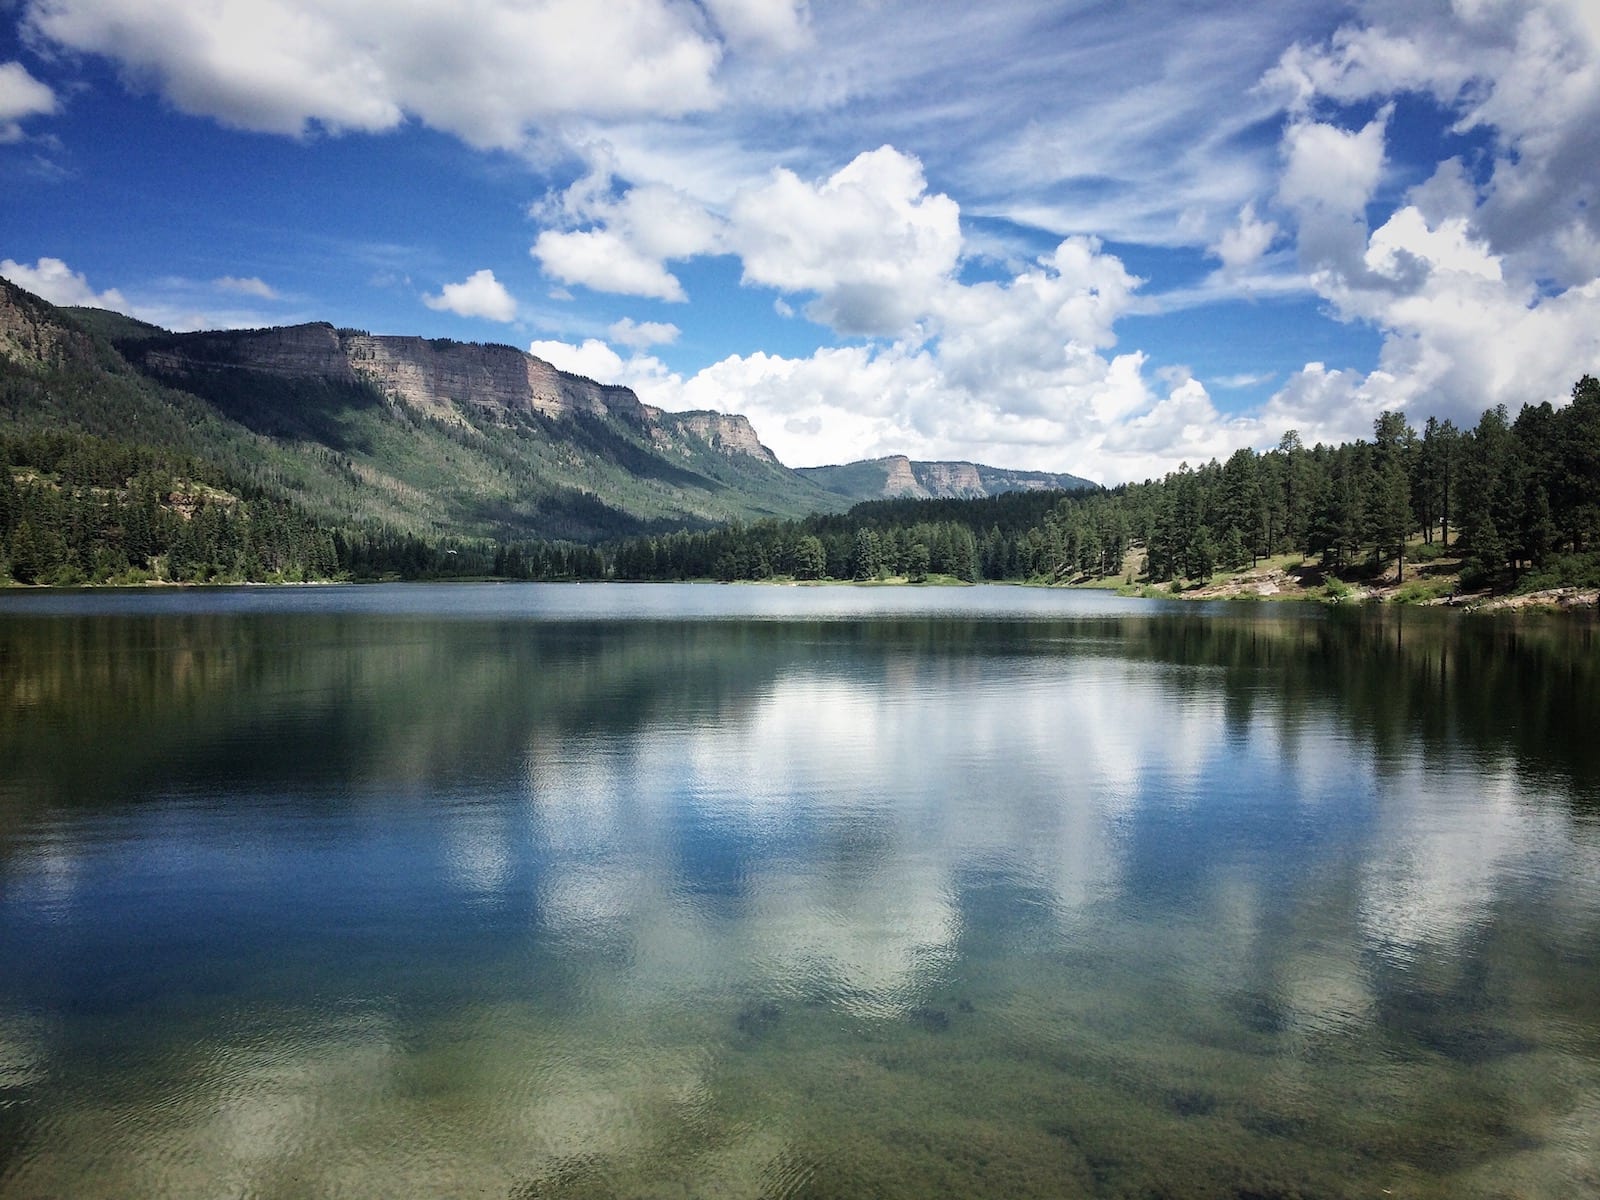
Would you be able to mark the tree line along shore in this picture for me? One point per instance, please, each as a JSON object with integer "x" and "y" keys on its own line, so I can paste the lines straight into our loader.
{"x": 1509, "y": 506}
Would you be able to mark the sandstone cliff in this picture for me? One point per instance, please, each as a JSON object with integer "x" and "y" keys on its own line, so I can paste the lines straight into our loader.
{"x": 436, "y": 376}
{"x": 900, "y": 480}
{"x": 898, "y": 477}
{"x": 291, "y": 352}
{"x": 440, "y": 378}
{"x": 331, "y": 422}
{"x": 958, "y": 480}
{"x": 730, "y": 433}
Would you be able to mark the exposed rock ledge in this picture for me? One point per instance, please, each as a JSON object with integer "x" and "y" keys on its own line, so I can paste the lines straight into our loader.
{"x": 439, "y": 377}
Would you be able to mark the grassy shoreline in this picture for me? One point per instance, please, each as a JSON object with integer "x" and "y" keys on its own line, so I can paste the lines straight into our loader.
{"x": 1433, "y": 580}
{"x": 1278, "y": 580}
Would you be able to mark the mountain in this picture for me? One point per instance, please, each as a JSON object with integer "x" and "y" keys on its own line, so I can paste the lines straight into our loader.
{"x": 897, "y": 477}
{"x": 421, "y": 436}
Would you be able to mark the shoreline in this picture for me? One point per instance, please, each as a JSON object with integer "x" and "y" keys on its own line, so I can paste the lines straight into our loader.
{"x": 1252, "y": 587}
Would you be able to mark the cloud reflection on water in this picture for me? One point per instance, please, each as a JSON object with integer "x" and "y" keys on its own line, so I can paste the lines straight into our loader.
{"x": 540, "y": 892}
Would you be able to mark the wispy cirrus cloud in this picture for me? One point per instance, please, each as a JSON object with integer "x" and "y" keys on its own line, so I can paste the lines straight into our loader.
{"x": 1244, "y": 380}
{"x": 247, "y": 286}
{"x": 969, "y": 203}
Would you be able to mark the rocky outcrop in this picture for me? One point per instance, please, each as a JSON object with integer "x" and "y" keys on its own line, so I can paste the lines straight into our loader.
{"x": 536, "y": 452}
{"x": 290, "y": 351}
{"x": 431, "y": 376}
{"x": 996, "y": 480}
{"x": 31, "y": 332}
{"x": 440, "y": 378}
{"x": 951, "y": 479}
{"x": 435, "y": 376}
{"x": 899, "y": 480}
{"x": 730, "y": 433}
{"x": 898, "y": 477}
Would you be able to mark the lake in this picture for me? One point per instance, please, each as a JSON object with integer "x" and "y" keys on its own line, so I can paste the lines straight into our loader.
{"x": 599, "y": 891}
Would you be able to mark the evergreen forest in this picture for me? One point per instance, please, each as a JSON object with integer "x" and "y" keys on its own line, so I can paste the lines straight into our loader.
{"x": 1516, "y": 500}
{"x": 115, "y": 469}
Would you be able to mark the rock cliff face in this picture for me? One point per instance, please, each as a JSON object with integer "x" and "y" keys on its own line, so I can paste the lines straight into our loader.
{"x": 441, "y": 378}
{"x": 292, "y": 352}
{"x": 730, "y": 433}
{"x": 900, "y": 480}
{"x": 898, "y": 477}
{"x": 329, "y": 421}
{"x": 436, "y": 376}
{"x": 951, "y": 479}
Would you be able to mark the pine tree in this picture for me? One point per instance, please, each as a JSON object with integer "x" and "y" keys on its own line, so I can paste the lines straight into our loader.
{"x": 1389, "y": 519}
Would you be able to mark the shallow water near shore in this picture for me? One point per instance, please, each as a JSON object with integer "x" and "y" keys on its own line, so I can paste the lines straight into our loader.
{"x": 599, "y": 891}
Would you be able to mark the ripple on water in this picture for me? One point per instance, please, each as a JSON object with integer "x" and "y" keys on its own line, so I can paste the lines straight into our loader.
{"x": 897, "y": 907}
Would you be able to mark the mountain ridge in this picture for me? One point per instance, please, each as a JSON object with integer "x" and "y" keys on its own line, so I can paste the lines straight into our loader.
{"x": 428, "y": 436}
{"x": 423, "y": 437}
{"x": 897, "y": 476}
{"x": 435, "y": 376}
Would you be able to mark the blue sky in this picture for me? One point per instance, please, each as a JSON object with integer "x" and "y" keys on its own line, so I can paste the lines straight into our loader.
{"x": 1093, "y": 237}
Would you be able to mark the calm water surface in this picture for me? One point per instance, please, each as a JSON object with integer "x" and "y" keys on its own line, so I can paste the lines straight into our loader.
{"x": 600, "y": 891}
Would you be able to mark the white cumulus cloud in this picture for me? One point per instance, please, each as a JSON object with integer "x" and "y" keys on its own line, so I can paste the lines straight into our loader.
{"x": 21, "y": 96}
{"x": 1013, "y": 371}
{"x": 606, "y": 262}
{"x": 591, "y": 358}
{"x": 594, "y": 359}
{"x": 1093, "y": 416}
{"x": 493, "y": 72}
{"x": 1526, "y": 74}
{"x": 52, "y": 280}
{"x": 1010, "y": 372}
{"x": 1485, "y": 290}
{"x": 1329, "y": 175}
{"x": 638, "y": 335}
{"x": 479, "y": 295}
{"x": 621, "y": 244}
{"x": 869, "y": 241}
{"x": 1243, "y": 243}
{"x": 662, "y": 223}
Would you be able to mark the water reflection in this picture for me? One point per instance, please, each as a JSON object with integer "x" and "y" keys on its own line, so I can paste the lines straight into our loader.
{"x": 1121, "y": 901}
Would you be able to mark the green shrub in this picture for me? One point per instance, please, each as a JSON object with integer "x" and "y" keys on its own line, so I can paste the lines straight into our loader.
{"x": 1337, "y": 591}
{"x": 1419, "y": 591}
{"x": 1564, "y": 570}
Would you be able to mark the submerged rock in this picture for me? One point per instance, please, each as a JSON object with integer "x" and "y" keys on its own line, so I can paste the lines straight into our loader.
{"x": 1190, "y": 1102}
{"x": 580, "y": 1176}
{"x": 1474, "y": 1045}
{"x": 934, "y": 1020}
{"x": 758, "y": 1018}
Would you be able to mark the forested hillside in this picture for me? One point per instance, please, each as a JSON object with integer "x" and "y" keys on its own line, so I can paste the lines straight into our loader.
{"x": 1517, "y": 500}
{"x": 109, "y": 474}
{"x": 128, "y": 453}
